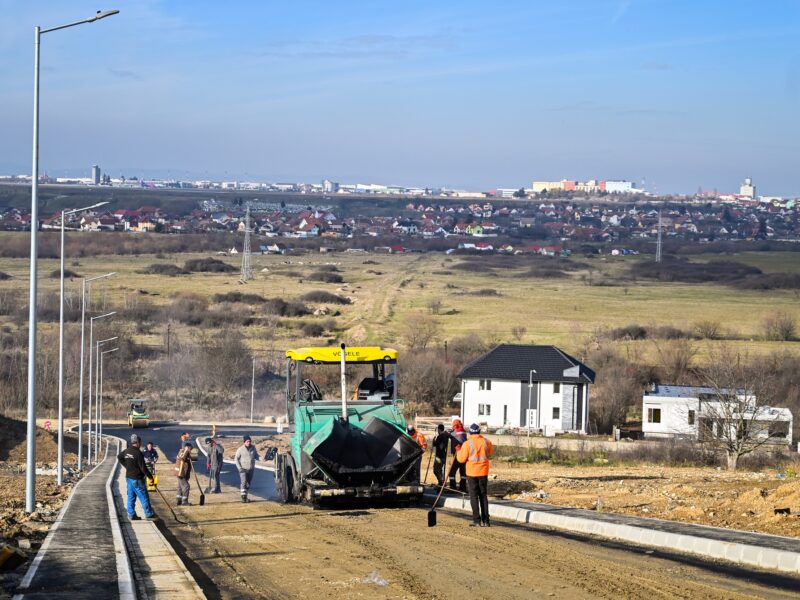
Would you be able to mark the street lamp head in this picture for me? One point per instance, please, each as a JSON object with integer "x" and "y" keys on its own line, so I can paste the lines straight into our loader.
{"x": 102, "y": 14}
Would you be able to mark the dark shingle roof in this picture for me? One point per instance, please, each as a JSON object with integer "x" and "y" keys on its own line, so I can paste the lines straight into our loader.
{"x": 510, "y": 361}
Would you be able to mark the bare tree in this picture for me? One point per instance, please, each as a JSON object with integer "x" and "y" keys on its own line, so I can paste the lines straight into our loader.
{"x": 419, "y": 330}
{"x": 518, "y": 331}
{"x": 676, "y": 358}
{"x": 780, "y": 327}
{"x": 733, "y": 416}
{"x": 435, "y": 306}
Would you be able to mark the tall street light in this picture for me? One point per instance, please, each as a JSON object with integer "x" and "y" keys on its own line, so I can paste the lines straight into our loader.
{"x": 97, "y": 398}
{"x": 100, "y": 417}
{"x": 83, "y": 344}
{"x": 91, "y": 338}
{"x": 60, "y": 476}
{"x": 538, "y": 400}
{"x": 30, "y": 479}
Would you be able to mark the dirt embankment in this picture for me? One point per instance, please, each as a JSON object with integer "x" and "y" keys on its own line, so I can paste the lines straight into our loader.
{"x": 17, "y": 528}
{"x": 737, "y": 500}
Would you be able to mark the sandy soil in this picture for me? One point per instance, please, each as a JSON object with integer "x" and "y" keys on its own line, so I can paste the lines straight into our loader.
{"x": 739, "y": 500}
{"x": 268, "y": 550}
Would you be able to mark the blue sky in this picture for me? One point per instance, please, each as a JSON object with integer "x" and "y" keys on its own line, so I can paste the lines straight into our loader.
{"x": 461, "y": 93}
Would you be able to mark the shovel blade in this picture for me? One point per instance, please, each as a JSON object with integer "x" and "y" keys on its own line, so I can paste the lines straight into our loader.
{"x": 431, "y": 518}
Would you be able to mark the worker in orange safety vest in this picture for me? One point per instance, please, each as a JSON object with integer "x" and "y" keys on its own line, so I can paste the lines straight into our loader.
{"x": 423, "y": 443}
{"x": 476, "y": 452}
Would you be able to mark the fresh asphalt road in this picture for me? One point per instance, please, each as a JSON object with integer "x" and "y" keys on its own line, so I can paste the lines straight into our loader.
{"x": 167, "y": 437}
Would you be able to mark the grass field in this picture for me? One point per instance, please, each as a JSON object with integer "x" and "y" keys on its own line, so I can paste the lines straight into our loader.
{"x": 385, "y": 288}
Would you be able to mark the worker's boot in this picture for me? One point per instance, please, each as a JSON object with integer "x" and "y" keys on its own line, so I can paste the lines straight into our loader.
{"x": 180, "y": 501}
{"x": 244, "y": 497}
{"x": 451, "y": 483}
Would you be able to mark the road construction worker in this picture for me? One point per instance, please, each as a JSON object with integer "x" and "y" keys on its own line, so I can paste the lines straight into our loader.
{"x": 216, "y": 455}
{"x": 457, "y": 437}
{"x": 183, "y": 470}
{"x": 135, "y": 475}
{"x": 150, "y": 459}
{"x": 423, "y": 443}
{"x": 440, "y": 444}
{"x": 185, "y": 437}
{"x": 245, "y": 459}
{"x": 476, "y": 452}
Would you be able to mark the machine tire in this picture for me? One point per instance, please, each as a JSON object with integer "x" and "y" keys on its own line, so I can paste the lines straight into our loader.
{"x": 283, "y": 479}
{"x": 288, "y": 478}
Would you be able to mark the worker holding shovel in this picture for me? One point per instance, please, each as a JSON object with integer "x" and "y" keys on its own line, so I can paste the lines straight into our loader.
{"x": 183, "y": 470}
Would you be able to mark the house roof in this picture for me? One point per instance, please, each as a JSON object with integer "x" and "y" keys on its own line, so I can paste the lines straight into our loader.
{"x": 511, "y": 361}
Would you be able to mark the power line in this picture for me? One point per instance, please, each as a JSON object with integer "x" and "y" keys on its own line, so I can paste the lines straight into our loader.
{"x": 658, "y": 243}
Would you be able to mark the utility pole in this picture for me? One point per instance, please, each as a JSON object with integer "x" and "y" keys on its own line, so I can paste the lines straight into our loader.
{"x": 253, "y": 389}
{"x": 247, "y": 270}
{"x": 658, "y": 242}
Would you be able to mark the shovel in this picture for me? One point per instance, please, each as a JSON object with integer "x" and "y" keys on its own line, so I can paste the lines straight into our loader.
{"x": 174, "y": 516}
{"x": 432, "y": 511}
{"x": 199, "y": 489}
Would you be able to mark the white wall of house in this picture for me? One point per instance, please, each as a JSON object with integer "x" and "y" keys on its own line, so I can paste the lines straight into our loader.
{"x": 494, "y": 402}
{"x": 504, "y": 403}
{"x": 669, "y": 417}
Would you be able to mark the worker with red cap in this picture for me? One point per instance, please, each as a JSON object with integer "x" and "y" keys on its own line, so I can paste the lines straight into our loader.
{"x": 457, "y": 438}
{"x": 476, "y": 452}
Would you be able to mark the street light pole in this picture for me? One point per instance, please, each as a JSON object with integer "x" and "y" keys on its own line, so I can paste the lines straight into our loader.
{"x": 83, "y": 369}
{"x": 530, "y": 387}
{"x": 102, "y": 358}
{"x": 252, "y": 389}
{"x": 97, "y": 398}
{"x": 60, "y": 467}
{"x": 30, "y": 472}
{"x": 91, "y": 346}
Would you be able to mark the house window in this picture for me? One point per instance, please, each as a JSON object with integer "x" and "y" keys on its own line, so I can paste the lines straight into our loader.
{"x": 654, "y": 415}
{"x": 485, "y": 384}
{"x": 556, "y": 412}
{"x": 484, "y": 410}
{"x": 556, "y": 388}
{"x": 691, "y": 417}
{"x": 779, "y": 429}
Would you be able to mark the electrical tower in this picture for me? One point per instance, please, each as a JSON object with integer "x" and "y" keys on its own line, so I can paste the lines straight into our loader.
{"x": 658, "y": 242}
{"x": 247, "y": 270}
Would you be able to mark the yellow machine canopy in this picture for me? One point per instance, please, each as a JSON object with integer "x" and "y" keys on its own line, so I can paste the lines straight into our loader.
{"x": 353, "y": 354}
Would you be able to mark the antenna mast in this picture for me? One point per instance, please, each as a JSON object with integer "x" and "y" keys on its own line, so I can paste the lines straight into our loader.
{"x": 247, "y": 270}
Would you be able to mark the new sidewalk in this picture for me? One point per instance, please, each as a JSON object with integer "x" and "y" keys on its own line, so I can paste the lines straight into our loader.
{"x": 755, "y": 549}
{"x": 83, "y": 555}
{"x": 158, "y": 571}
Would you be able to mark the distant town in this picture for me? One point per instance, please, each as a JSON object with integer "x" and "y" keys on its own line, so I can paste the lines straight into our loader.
{"x": 501, "y": 220}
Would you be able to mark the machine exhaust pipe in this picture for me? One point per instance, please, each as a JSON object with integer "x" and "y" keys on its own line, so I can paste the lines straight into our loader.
{"x": 343, "y": 362}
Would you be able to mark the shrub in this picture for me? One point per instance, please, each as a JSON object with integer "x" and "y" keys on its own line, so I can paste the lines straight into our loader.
{"x": 780, "y": 327}
{"x": 4, "y": 276}
{"x": 325, "y": 297}
{"x": 208, "y": 265}
{"x": 166, "y": 269}
{"x": 313, "y": 329}
{"x": 708, "y": 330}
{"x": 326, "y": 277}
{"x": 771, "y": 281}
{"x": 632, "y": 331}
{"x": 680, "y": 269}
{"x": 282, "y": 308}
{"x": 483, "y": 292}
{"x": 244, "y": 298}
{"x": 67, "y": 274}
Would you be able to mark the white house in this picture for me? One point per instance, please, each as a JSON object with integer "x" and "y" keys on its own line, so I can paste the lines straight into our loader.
{"x": 692, "y": 412}
{"x": 540, "y": 387}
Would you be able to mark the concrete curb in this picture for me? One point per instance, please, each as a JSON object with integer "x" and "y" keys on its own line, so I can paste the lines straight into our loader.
{"x": 736, "y": 552}
{"x": 124, "y": 573}
{"x": 118, "y": 505}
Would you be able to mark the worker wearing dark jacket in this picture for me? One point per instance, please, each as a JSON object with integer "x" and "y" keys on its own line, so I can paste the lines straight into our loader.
{"x": 183, "y": 469}
{"x": 136, "y": 473}
{"x": 216, "y": 456}
{"x": 476, "y": 452}
{"x": 440, "y": 444}
{"x": 457, "y": 438}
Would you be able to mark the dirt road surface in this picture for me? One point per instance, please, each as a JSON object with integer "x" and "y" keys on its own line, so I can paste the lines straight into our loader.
{"x": 267, "y": 550}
